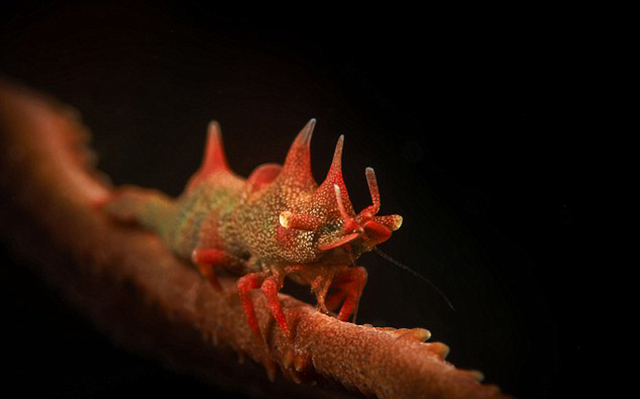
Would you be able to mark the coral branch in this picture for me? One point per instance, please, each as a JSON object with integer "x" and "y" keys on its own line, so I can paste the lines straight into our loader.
{"x": 145, "y": 298}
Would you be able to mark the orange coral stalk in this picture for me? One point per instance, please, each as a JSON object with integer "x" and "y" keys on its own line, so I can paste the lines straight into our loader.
{"x": 172, "y": 313}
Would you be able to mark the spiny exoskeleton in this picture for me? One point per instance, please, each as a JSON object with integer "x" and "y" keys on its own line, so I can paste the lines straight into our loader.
{"x": 277, "y": 223}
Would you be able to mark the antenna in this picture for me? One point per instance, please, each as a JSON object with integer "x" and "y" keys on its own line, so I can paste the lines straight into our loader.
{"x": 415, "y": 273}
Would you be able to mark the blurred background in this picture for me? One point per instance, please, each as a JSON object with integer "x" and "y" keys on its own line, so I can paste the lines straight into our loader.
{"x": 470, "y": 118}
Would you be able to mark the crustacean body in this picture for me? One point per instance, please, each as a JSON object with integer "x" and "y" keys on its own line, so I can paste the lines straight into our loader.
{"x": 277, "y": 223}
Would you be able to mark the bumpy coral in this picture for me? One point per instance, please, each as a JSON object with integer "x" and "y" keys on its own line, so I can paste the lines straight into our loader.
{"x": 130, "y": 286}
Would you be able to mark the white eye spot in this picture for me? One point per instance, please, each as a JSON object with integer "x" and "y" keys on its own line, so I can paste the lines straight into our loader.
{"x": 285, "y": 219}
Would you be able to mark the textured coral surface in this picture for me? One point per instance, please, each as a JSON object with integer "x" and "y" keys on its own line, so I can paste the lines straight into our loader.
{"x": 128, "y": 283}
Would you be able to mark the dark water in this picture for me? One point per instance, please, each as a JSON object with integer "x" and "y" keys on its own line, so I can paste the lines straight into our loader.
{"x": 466, "y": 116}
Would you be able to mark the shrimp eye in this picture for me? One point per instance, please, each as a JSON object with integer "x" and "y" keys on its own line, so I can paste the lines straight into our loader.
{"x": 299, "y": 221}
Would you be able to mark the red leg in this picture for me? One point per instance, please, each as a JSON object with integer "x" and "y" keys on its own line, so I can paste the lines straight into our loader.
{"x": 320, "y": 286}
{"x": 209, "y": 258}
{"x": 270, "y": 287}
{"x": 335, "y": 299}
{"x": 350, "y": 285}
{"x": 247, "y": 283}
{"x": 206, "y": 270}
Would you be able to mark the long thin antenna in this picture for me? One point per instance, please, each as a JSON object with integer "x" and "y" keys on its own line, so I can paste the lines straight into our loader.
{"x": 415, "y": 273}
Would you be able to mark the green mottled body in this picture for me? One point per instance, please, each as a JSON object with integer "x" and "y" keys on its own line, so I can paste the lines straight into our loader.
{"x": 197, "y": 217}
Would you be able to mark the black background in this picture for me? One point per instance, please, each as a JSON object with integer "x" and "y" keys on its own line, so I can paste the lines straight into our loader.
{"x": 471, "y": 117}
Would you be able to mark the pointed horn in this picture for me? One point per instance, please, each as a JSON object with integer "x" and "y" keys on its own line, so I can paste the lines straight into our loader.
{"x": 214, "y": 157}
{"x": 297, "y": 165}
{"x": 372, "y": 182}
{"x": 334, "y": 176}
{"x": 335, "y": 171}
{"x": 327, "y": 192}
